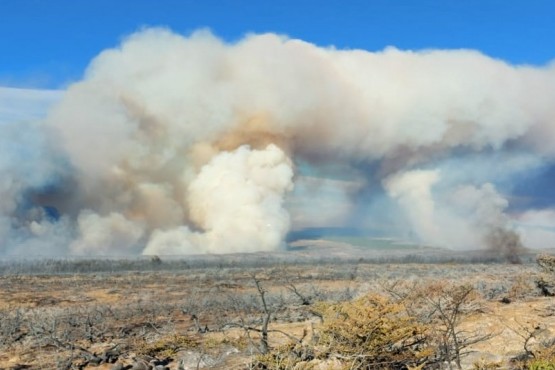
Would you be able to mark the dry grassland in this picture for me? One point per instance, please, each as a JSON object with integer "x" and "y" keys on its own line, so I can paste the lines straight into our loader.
{"x": 212, "y": 316}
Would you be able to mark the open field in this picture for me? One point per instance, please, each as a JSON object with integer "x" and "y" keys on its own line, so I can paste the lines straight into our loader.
{"x": 209, "y": 312}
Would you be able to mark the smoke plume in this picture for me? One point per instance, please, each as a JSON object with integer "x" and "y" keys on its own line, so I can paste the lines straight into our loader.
{"x": 173, "y": 145}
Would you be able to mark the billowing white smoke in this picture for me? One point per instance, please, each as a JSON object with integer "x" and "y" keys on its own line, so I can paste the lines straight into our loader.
{"x": 237, "y": 200}
{"x": 461, "y": 217}
{"x": 105, "y": 234}
{"x": 413, "y": 191}
{"x": 175, "y": 144}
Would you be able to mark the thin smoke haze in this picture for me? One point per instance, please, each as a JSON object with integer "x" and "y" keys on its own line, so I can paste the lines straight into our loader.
{"x": 177, "y": 145}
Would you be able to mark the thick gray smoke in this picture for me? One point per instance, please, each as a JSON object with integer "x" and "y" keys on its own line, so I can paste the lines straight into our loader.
{"x": 173, "y": 145}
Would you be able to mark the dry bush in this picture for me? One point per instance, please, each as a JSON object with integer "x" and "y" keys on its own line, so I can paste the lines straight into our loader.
{"x": 487, "y": 365}
{"x": 167, "y": 346}
{"x": 522, "y": 287}
{"x": 448, "y": 305}
{"x": 285, "y": 357}
{"x": 371, "y": 332}
{"x": 419, "y": 325}
{"x": 442, "y": 306}
{"x": 12, "y": 326}
{"x": 546, "y": 281}
{"x": 545, "y": 361}
{"x": 538, "y": 345}
{"x": 546, "y": 262}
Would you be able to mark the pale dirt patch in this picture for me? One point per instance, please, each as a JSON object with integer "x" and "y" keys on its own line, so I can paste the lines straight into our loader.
{"x": 510, "y": 324}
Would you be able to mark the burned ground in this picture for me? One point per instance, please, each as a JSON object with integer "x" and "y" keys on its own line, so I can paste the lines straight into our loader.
{"x": 205, "y": 313}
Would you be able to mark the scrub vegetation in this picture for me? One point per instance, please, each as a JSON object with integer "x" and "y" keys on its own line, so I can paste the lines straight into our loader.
{"x": 260, "y": 313}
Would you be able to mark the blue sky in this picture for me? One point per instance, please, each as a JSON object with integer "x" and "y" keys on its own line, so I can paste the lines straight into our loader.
{"x": 48, "y": 44}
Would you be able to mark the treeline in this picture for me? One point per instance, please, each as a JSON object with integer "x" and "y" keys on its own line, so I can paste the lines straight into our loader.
{"x": 83, "y": 265}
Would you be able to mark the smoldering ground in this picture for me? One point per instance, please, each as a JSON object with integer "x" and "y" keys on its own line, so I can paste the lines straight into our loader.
{"x": 178, "y": 144}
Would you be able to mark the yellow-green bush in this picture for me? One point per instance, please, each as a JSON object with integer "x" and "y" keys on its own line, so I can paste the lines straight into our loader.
{"x": 167, "y": 346}
{"x": 539, "y": 364}
{"x": 544, "y": 359}
{"x": 372, "y": 332}
{"x": 286, "y": 357}
{"x": 375, "y": 332}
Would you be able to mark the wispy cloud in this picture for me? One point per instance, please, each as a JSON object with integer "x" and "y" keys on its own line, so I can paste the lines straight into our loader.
{"x": 25, "y": 104}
